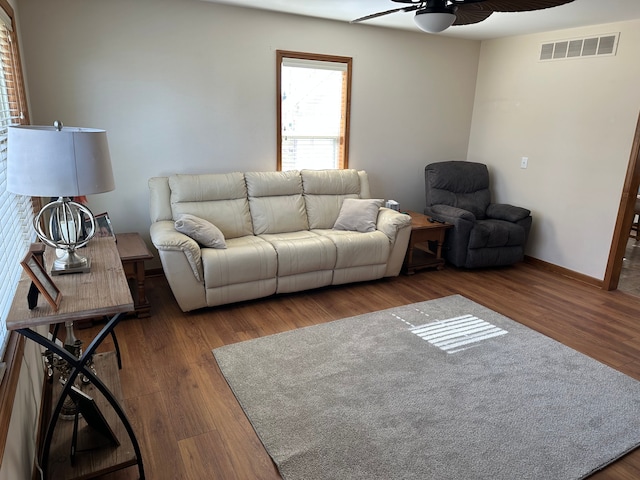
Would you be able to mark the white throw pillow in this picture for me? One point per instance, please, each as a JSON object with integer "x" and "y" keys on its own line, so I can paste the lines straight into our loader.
{"x": 202, "y": 231}
{"x": 358, "y": 214}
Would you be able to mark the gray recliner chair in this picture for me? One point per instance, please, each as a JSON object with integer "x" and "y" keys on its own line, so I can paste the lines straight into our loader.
{"x": 484, "y": 234}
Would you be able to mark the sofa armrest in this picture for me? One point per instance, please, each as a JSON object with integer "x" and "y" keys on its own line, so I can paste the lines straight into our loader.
{"x": 165, "y": 237}
{"x": 390, "y": 222}
{"x": 397, "y": 227}
{"x": 510, "y": 213}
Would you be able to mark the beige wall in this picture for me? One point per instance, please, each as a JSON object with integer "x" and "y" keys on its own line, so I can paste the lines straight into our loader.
{"x": 189, "y": 86}
{"x": 575, "y": 120}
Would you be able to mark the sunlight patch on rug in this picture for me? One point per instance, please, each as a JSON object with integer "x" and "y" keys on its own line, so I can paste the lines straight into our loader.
{"x": 455, "y": 334}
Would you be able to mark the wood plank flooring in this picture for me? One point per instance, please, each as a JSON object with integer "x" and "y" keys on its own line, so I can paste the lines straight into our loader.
{"x": 190, "y": 425}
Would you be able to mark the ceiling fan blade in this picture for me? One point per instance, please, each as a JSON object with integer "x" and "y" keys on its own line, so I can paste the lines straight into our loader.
{"x": 380, "y": 14}
{"x": 518, "y": 5}
{"x": 470, "y": 13}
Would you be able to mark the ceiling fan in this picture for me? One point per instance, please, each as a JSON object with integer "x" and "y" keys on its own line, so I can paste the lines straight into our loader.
{"x": 434, "y": 16}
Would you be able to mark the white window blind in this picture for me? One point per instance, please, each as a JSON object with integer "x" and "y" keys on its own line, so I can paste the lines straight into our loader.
{"x": 16, "y": 212}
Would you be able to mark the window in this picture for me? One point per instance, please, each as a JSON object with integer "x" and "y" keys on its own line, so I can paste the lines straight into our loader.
{"x": 313, "y": 110}
{"x": 16, "y": 212}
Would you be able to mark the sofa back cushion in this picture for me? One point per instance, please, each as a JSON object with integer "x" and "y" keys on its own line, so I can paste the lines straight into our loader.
{"x": 275, "y": 202}
{"x": 159, "y": 199}
{"x": 218, "y": 198}
{"x": 324, "y": 191}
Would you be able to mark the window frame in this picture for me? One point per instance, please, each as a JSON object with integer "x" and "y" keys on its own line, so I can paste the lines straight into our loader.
{"x": 348, "y": 61}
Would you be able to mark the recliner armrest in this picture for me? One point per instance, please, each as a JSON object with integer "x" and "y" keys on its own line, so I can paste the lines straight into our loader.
{"x": 510, "y": 213}
{"x": 457, "y": 238}
{"x": 164, "y": 236}
{"x": 449, "y": 214}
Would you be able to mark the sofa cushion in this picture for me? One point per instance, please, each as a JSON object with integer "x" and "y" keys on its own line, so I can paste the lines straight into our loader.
{"x": 202, "y": 231}
{"x": 302, "y": 252}
{"x": 278, "y": 214}
{"x": 246, "y": 259}
{"x": 330, "y": 182}
{"x": 324, "y": 192}
{"x": 276, "y": 203}
{"x": 358, "y": 214}
{"x": 273, "y": 184}
{"x": 355, "y": 249}
{"x": 220, "y": 199}
{"x": 323, "y": 210}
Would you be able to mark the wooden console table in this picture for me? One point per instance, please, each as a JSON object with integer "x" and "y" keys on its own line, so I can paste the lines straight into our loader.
{"x": 420, "y": 254}
{"x": 102, "y": 292}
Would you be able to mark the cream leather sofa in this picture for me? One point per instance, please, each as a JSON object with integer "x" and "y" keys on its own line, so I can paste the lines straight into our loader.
{"x": 278, "y": 230}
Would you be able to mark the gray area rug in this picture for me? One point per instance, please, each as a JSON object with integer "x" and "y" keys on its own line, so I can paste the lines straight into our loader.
{"x": 444, "y": 389}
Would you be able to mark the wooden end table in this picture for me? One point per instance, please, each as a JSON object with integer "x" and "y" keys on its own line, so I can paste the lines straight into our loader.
{"x": 133, "y": 252}
{"x": 419, "y": 252}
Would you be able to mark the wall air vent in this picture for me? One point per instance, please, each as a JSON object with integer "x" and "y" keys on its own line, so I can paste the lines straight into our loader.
{"x": 598, "y": 46}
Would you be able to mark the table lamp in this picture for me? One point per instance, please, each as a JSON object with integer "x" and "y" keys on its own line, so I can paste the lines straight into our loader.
{"x": 60, "y": 162}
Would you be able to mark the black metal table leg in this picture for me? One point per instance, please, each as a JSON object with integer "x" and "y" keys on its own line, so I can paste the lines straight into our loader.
{"x": 79, "y": 366}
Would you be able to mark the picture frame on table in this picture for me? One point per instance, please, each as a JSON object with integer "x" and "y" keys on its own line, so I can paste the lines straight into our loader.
{"x": 41, "y": 280}
{"x": 103, "y": 225}
{"x": 92, "y": 414}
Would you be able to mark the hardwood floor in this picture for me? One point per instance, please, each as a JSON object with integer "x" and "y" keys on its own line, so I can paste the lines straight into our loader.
{"x": 190, "y": 425}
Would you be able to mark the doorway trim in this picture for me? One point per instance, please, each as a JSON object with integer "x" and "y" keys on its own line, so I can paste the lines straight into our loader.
{"x": 626, "y": 212}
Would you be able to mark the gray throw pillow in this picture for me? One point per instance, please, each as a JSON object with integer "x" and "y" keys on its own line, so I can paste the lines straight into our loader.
{"x": 358, "y": 214}
{"x": 202, "y": 231}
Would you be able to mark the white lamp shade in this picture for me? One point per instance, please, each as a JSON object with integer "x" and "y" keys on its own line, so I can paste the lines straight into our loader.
{"x": 434, "y": 22}
{"x": 47, "y": 162}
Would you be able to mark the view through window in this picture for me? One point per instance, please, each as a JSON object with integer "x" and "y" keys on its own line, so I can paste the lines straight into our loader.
{"x": 313, "y": 110}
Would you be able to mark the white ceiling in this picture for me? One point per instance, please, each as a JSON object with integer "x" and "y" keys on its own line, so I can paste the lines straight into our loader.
{"x": 576, "y": 14}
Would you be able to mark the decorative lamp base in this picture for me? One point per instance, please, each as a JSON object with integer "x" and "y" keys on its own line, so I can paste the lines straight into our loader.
{"x": 69, "y": 261}
{"x": 86, "y": 268}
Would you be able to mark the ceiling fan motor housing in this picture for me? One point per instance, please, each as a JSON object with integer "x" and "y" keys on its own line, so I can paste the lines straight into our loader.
{"x": 436, "y": 17}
